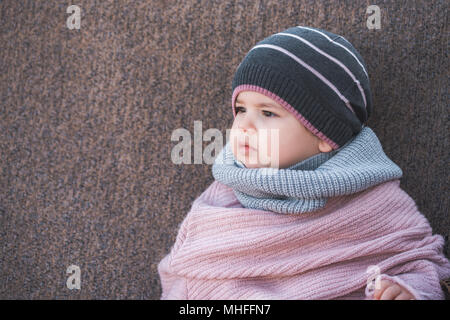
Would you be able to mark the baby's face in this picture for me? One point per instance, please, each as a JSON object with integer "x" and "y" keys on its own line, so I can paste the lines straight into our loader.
{"x": 271, "y": 131}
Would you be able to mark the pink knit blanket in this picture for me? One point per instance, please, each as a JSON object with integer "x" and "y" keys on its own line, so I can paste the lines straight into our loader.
{"x": 225, "y": 251}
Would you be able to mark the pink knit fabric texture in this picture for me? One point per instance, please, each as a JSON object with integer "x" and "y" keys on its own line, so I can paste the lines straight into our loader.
{"x": 225, "y": 251}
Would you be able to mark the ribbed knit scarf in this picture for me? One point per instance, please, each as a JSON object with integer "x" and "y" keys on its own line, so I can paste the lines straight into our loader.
{"x": 306, "y": 185}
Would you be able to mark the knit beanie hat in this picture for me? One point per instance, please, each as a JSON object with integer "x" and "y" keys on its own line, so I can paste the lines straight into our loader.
{"x": 316, "y": 75}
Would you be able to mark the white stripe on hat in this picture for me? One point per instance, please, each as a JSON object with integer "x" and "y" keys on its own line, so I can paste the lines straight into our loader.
{"x": 307, "y": 66}
{"x": 332, "y": 59}
{"x": 337, "y": 43}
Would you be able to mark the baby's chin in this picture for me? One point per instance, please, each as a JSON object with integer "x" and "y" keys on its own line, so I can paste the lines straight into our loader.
{"x": 256, "y": 166}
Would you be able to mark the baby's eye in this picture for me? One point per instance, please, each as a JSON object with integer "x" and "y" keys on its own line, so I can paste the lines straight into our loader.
{"x": 238, "y": 109}
{"x": 270, "y": 114}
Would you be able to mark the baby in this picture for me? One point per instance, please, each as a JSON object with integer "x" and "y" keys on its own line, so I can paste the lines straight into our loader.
{"x": 305, "y": 204}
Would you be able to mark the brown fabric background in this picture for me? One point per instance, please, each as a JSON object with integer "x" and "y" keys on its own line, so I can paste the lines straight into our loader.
{"x": 86, "y": 118}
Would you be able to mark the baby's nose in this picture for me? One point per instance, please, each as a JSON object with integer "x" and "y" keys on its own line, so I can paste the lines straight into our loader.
{"x": 248, "y": 130}
{"x": 247, "y": 126}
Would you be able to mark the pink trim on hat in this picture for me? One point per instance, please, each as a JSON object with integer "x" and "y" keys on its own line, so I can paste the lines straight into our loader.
{"x": 284, "y": 104}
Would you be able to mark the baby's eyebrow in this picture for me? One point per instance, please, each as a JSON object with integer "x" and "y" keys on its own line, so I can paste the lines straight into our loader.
{"x": 263, "y": 105}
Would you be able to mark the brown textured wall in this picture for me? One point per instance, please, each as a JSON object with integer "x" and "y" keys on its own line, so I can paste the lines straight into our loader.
{"x": 86, "y": 118}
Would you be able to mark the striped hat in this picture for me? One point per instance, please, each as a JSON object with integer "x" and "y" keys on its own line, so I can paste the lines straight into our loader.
{"x": 316, "y": 75}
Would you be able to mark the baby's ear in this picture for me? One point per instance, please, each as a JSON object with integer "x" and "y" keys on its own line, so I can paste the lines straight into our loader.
{"x": 324, "y": 146}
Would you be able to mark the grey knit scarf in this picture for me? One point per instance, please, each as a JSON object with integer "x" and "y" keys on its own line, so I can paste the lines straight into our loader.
{"x": 305, "y": 186}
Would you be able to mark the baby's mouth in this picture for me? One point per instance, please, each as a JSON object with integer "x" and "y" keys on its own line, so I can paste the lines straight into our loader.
{"x": 246, "y": 148}
{"x": 246, "y": 145}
